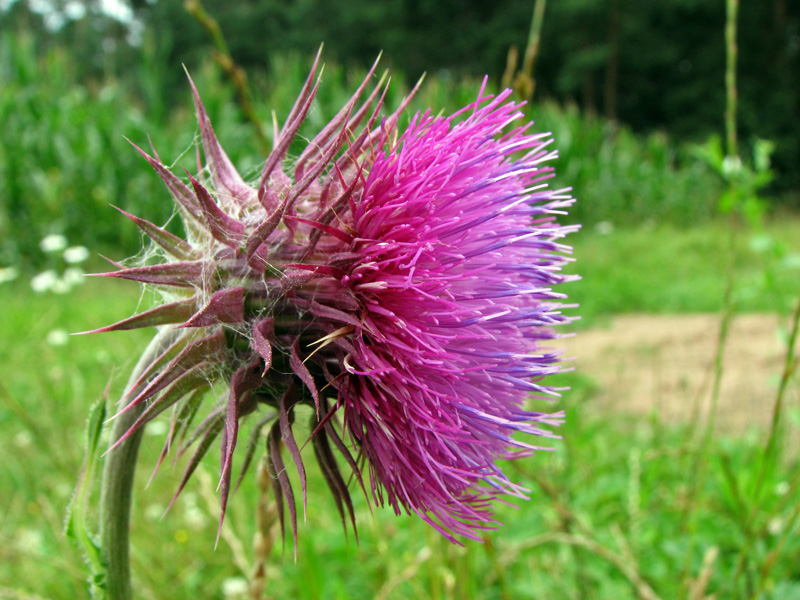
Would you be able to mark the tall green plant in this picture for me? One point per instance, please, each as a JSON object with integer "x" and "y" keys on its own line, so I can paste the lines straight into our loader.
{"x": 742, "y": 205}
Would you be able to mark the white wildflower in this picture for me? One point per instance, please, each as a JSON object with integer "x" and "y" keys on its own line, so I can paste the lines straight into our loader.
{"x": 775, "y": 526}
{"x": 73, "y": 276}
{"x": 235, "y": 587}
{"x": 23, "y": 439}
{"x": 58, "y": 337}
{"x": 53, "y": 243}
{"x": 44, "y": 281}
{"x": 8, "y": 274}
{"x": 156, "y": 428}
{"x": 30, "y": 541}
{"x": 60, "y": 287}
{"x": 604, "y": 227}
{"x": 76, "y": 254}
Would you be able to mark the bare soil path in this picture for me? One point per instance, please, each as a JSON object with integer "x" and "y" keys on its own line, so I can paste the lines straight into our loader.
{"x": 664, "y": 364}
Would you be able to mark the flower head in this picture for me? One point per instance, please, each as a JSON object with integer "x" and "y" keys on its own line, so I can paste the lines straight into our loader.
{"x": 399, "y": 282}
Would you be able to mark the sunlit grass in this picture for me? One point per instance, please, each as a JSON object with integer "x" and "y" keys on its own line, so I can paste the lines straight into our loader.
{"x": 663, "y": 268}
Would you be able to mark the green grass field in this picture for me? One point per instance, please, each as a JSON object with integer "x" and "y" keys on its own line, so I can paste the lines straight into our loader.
{"x": 666, "y": 269}
{"x": 626, "y": 507}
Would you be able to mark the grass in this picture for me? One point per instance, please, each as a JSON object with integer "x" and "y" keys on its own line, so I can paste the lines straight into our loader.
{"x": 608, "y": 511}
{"x": 665, "y": 269}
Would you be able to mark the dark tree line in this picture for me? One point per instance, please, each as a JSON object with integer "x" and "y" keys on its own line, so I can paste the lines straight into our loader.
{"x": 653, "y": 64}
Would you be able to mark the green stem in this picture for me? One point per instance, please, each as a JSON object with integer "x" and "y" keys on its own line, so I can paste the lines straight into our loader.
{"x": 789, "y": 365}
{"x": 534, "y": 39}
{"x": 117, "y": 483}
{"x": 700, "y": 463}
{"x": 731, "y": 55}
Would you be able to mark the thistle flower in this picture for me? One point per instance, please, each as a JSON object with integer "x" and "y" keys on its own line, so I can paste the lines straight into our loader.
{"x": 399, "y": 282}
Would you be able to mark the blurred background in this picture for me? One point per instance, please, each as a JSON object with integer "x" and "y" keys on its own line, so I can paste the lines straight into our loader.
{"x": 676, "y": 125}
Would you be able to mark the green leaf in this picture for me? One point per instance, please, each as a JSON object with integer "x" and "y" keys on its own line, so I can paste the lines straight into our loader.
{"x": 94, "y": 429}
{"x": 76, "y": 527}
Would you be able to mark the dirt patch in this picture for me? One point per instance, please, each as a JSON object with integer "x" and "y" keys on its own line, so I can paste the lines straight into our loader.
{"x": 665, "y": 364}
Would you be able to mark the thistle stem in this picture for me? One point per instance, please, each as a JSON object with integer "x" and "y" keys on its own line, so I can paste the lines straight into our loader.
{"x": 117, "y": 483}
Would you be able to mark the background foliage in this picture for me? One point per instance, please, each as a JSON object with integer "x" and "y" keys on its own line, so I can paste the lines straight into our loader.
{"x": 64, "y": 157}
{"x": 650, "y": 65}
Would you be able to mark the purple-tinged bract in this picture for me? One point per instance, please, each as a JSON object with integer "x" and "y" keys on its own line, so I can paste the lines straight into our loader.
{"x": 399, "y": 282}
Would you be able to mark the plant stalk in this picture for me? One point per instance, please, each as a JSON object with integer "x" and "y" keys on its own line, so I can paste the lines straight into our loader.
{"x": 117, "y": 483}
{"x": 731, "y": 55}
{"x": 532, "y": 49}
{"x": 789, "y": 365}
{"x": 700, "y": 464}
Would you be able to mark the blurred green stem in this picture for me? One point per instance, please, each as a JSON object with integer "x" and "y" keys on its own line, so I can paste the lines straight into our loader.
{"x": 789, "y": 366}
{"x": 117, "y": 482}
{"x": 523, "y": 81}
{"x": 731, "y": 55}
{"x": 700, "y": 464}
{"x": 534, "y": 39}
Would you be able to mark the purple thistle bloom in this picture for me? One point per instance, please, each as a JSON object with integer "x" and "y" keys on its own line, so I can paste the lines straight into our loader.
{"x": 455, "y": 257}
{"x": 399, "y": 282}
